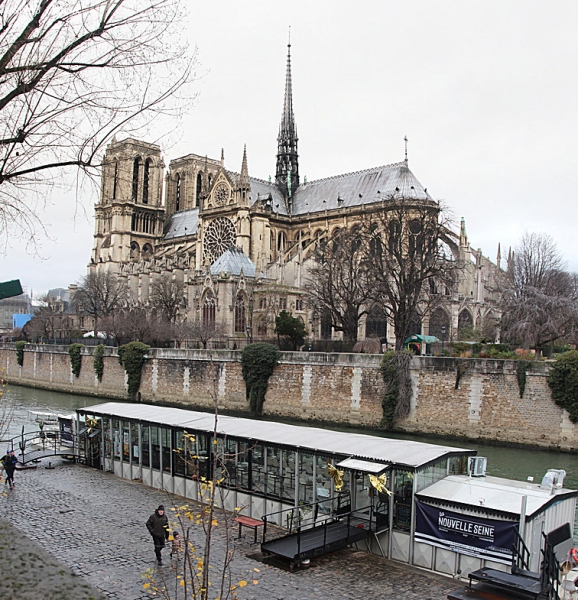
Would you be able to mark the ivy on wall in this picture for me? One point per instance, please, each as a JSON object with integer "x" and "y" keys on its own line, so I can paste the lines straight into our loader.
{"x": 20, "y": 352}
{"x": 563, "y": 381}
{"x": 521, "y": 370}
{"x": 397, "y": 397}
{"x": 462, "y": 367}
{"x": 98, "y": 361}
{"x": 132, "y": 357}
{"x": 258, "y": 362}
{"x": 75, "y": 353}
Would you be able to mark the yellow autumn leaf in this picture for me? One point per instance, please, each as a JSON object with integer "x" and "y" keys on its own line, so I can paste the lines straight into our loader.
{"x": 182, "y": 583}
{"x": 214, "y": 522}
{"x": 255, "y": 581}
{"x": 146, "y": 586}
{"x": 257, "y": 570}
{"x": 242, "y": 583}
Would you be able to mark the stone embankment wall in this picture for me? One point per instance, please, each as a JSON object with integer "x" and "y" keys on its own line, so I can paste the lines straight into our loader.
{"x": 334, "y": 388}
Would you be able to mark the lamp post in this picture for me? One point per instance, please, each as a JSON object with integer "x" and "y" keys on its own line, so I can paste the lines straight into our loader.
{"x": 443, "y": 330}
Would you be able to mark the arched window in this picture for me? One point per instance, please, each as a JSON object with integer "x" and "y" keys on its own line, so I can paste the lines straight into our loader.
{"x": 465, "y": 324}
{"x": 376, "y": 323}
{"x": 240, "y": 319}
{"x": 115, "y": 180}
{"x": 145, "y": 184}
{"x": 439, "y": 324}
{"x": 326, "y": 325}
{"x": 262, "y": 327}
{"x": 199, "y": 190}
{"x": 134, "y": 251}
{"x": 355, "y": 238}
{"x": 281, "y": 242}
{"x": 209, "y": 310}
{"x": 178, "y": 193}
{"x": 375, "y": 245}
{"x": 394, "y": 234}
{"x": 147, "y": 251}
{"x": 135, "y": 176}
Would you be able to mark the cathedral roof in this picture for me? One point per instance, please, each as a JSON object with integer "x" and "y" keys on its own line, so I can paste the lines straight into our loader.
{"x": 184, "y": 222}
{"x": 350, "y": 189}
{"x": 233, "y": 261}
{"x": 355, "y": 189}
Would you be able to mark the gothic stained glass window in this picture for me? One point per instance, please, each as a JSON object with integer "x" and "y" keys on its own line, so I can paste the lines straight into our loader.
{"x": 135, "y": 176}
{"x": 220, "y": 235}
{"x": 199, "y": 190}
{"x": 145, "y": 185}
{"x": 209, "y": 309}
{"x": 240, "y": 320}
{"x": 178, "y": 194}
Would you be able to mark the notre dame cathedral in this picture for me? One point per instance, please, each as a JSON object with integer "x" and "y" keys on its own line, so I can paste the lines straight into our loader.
{"x": 242, "y": 244}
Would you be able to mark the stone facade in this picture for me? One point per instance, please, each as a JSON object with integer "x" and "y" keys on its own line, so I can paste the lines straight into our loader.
{"x": 144, "y": 234}
{"x": 344, "y": 389}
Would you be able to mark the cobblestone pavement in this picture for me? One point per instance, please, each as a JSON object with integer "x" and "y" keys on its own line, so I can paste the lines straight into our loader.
{"x": 94, "y": 523}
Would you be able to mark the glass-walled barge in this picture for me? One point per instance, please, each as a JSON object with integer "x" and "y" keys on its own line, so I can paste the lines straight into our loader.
{"x": 267, "y": 467}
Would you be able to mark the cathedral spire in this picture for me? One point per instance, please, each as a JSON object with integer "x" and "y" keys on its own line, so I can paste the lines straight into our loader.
{"x": 244, "y": 168}
{"x": 287, "y": 157}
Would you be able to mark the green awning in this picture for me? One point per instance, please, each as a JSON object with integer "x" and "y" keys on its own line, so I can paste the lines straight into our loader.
{"x": 421, "y": 339}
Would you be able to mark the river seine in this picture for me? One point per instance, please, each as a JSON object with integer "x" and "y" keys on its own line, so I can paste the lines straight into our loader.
{"x": 511, "y": 463}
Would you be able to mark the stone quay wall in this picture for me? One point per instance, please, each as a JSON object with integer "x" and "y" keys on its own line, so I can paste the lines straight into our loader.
{"x": 343, "y": 389}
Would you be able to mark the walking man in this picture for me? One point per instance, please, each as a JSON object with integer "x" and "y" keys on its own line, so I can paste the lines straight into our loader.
{"x": 9, "y": 461}
{"x": 158, "y": 526}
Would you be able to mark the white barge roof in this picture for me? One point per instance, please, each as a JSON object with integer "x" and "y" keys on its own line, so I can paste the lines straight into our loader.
{"x": 393, "y": 451}
{"x": 493, "y": 493}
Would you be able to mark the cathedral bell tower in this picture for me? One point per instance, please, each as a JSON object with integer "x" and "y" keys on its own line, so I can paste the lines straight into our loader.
{"x": 287, "y": 171}
{"x": 129, "y": 217}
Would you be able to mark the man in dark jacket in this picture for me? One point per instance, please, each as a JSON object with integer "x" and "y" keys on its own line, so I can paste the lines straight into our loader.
{"x": 158, "y": 526}
{"x": 9, "y": 461}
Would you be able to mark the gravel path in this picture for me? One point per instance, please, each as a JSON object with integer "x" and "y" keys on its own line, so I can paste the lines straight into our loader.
{"x": 77, "y": 533}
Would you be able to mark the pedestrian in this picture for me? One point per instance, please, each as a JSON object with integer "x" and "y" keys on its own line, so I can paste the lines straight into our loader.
{"x": 158, "y": 526}
{"x": 9, "y": 461}
{"x": 177, "y": 545}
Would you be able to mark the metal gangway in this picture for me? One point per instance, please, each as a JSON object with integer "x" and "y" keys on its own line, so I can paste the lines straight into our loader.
{"x": 303, "y": 532}
{"x": 35, "y": 445}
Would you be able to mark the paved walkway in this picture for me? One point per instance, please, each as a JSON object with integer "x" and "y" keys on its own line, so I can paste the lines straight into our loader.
{"x": 75, "y": 521}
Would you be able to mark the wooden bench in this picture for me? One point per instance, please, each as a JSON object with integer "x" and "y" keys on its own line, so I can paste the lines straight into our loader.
{"x": 253, "y": 524}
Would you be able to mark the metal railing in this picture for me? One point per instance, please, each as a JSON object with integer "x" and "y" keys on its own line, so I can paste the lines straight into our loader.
{"x": 34, "y": 445}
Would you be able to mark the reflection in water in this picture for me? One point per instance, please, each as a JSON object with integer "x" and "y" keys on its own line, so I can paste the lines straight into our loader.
{"x": 511, "y": 463}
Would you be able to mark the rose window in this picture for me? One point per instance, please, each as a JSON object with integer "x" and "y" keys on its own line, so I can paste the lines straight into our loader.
{"x": 220, "y": 235}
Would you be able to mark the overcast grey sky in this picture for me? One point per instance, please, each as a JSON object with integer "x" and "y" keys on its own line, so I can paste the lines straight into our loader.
{"x": 486, "y": 92}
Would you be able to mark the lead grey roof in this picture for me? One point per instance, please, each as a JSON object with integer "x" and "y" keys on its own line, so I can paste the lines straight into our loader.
{"x": 184, "y": 222}
{"x": 351, "y": 189}
{"x": 233, "y": 261}
{"x": 391, "y": 451}
{"x": 355, "y": 189}
{"x": 493, "y": 493}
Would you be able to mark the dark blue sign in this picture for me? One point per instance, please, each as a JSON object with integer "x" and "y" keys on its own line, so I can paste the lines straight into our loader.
{"x": 489, "y": 539}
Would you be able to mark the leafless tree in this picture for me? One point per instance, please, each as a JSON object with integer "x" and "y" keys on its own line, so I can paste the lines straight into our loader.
{"x": 539, "y": 298}
{"x": 101, "y": 294}
{"x": 339, "y": 281}
{"x": 396, "y": 260}
{"x": 73, "y": 73}
{"x": 42, "y": 324}
{"x": 168, "y": 296}
{"x": 410, "y": 260}
{"x": 204, "y": 332}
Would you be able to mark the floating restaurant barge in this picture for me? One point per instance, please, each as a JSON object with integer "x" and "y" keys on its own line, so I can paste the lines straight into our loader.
{"x": 423, "y": 504}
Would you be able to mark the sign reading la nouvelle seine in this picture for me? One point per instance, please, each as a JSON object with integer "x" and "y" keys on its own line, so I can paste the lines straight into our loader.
{"x": 489, "y": 539}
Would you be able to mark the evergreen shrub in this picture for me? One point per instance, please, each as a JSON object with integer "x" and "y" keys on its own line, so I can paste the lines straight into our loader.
{"x": 20, "y": 352}
{"x": 75, "y": 353}
{"x": 98, "y": 361}
{"x": 258, "y": 362}
{"x": 132, "y": 357}
{"x": 563, "y": 382}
